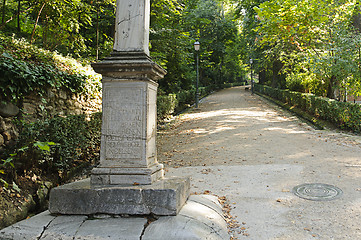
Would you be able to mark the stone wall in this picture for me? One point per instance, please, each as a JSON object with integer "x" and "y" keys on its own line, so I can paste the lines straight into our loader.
{"x": 57, "y": 102}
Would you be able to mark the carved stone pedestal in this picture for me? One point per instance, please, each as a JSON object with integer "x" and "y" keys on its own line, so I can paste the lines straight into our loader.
{"x": 128, "y": 142}
{"x": 129, "y": 179}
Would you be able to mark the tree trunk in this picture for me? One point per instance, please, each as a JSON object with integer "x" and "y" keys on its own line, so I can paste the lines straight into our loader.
{"x": 45, "y": 32}
{"x": 356, "y": 22}
{"x": 330, "y": 90}
{"x": 97, "y": 35}
{"x": 3, "y": 16}
{"x": 19, "y": 8}
{"x": 276, "y": 67}
{"x": 262, "y": 76}
{"x": 36, "y": 22}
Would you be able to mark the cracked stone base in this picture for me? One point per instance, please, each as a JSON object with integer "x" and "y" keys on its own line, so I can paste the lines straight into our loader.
{"x": 200, "y": 218}
{"x": 164, "y": 197}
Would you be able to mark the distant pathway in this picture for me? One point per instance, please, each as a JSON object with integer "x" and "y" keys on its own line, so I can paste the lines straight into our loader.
{"x": 242, "y": 147}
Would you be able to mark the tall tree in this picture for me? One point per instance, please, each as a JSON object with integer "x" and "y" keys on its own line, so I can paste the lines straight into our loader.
{"x": 3, "y": 12}
{"x": 314, "y": 35}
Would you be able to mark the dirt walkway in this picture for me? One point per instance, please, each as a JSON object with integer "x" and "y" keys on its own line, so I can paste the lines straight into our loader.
{"x": 242, "y": 147}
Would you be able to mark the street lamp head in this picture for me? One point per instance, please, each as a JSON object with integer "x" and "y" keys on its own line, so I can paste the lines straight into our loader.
{"x": 197, "y": 46}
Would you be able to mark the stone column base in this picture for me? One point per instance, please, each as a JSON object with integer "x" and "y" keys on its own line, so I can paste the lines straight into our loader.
{"x": 121, "y": 176}
{"x": 164, "y": 197}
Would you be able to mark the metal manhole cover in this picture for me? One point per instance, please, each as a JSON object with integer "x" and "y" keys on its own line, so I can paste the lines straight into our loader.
{"x": 317, "y": 191}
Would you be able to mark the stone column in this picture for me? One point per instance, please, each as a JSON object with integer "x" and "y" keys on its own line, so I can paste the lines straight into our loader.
{"x": 128, "y": 145}
{"x": 132, "y": 26}
{"x": 129, "y": 179}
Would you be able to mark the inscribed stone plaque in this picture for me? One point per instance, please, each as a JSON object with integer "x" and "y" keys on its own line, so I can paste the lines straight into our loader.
{"x": 124, "y": 132}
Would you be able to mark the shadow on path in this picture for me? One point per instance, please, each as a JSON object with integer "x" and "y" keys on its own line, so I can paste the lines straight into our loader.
{"x": 240, "y": 146}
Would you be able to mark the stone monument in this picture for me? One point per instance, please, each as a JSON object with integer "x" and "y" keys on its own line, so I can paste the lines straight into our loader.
{"x": 129, "y": 179}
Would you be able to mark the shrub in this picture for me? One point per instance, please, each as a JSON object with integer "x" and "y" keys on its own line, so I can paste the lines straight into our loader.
{"x": 344, "y": 115}
{"x": 185, "y": 99}
{"x": 166, "y": 105}
{"x": 74, "y": 141}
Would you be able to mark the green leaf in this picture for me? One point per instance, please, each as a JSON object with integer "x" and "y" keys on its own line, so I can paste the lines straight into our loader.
{"x": 16, "y": 187}
{"x": 23, "y": 149}
{"x": 7, "y": 55}
{"x": 8, "y": 161}
{"x": 44, "y": 146}
{"x": 6, "y": 185}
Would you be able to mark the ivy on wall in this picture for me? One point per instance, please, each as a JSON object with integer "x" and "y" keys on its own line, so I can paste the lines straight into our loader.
{"x": 25, "y": 68}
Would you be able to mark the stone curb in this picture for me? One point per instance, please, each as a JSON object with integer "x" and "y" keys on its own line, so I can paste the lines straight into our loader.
{"x": 200, "y": 218}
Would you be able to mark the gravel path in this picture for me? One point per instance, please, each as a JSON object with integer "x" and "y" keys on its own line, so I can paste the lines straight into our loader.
{"x": 242, "y": 147}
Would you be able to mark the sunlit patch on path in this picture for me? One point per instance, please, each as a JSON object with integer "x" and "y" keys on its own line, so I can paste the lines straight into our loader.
{"x": 239, "y": 146}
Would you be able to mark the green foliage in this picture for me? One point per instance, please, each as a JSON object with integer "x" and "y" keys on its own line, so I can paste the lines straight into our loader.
{"x": 44, "y": 146}
{"x": 306, "y": 82}
{"x": 16, "y": 187}
{"x": 25, "y": 68}
{"x": 80, "y": 28}
{"x": 176, "y": 25}
{"x": 71, "y": 135}
{"x": 58, "y": 146}
{"x": 8, "y": 167}
{"x": 19, "y": 78}
{"x": 166, "y": 105}
{"x": 315, "y": 35}
{"x": 84, "y": 29}
{"x": 342, "y": 114}
{"x": 5, "y": 183}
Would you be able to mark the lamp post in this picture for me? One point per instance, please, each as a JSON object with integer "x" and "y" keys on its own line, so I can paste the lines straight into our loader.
{"x": 197, "y": 46}
{"x": 252, "y": 83}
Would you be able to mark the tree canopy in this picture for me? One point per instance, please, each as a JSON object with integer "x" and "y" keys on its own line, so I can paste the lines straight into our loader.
{"x": 84, "y": 29}
{"x": 312, "y": 46}
{"x": 303, "y": 45}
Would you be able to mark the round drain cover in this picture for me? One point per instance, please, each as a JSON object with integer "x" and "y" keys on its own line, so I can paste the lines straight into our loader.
{"x": 317, "y": 191}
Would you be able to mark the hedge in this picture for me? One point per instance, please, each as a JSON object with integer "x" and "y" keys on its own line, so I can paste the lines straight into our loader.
{"x": 344, "y": 115}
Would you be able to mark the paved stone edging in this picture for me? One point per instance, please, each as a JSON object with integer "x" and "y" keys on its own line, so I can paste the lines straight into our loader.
{"x": 200, "y": 218}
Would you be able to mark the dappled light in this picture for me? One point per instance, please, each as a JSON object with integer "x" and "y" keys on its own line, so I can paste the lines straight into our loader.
{"x": 216, "y": 133}
{"x": 244, "y": 147}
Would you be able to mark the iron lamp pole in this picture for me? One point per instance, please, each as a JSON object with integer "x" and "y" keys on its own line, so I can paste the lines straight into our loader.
{"x": 197, "y": 46}
{"x": 252, "y": 82}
